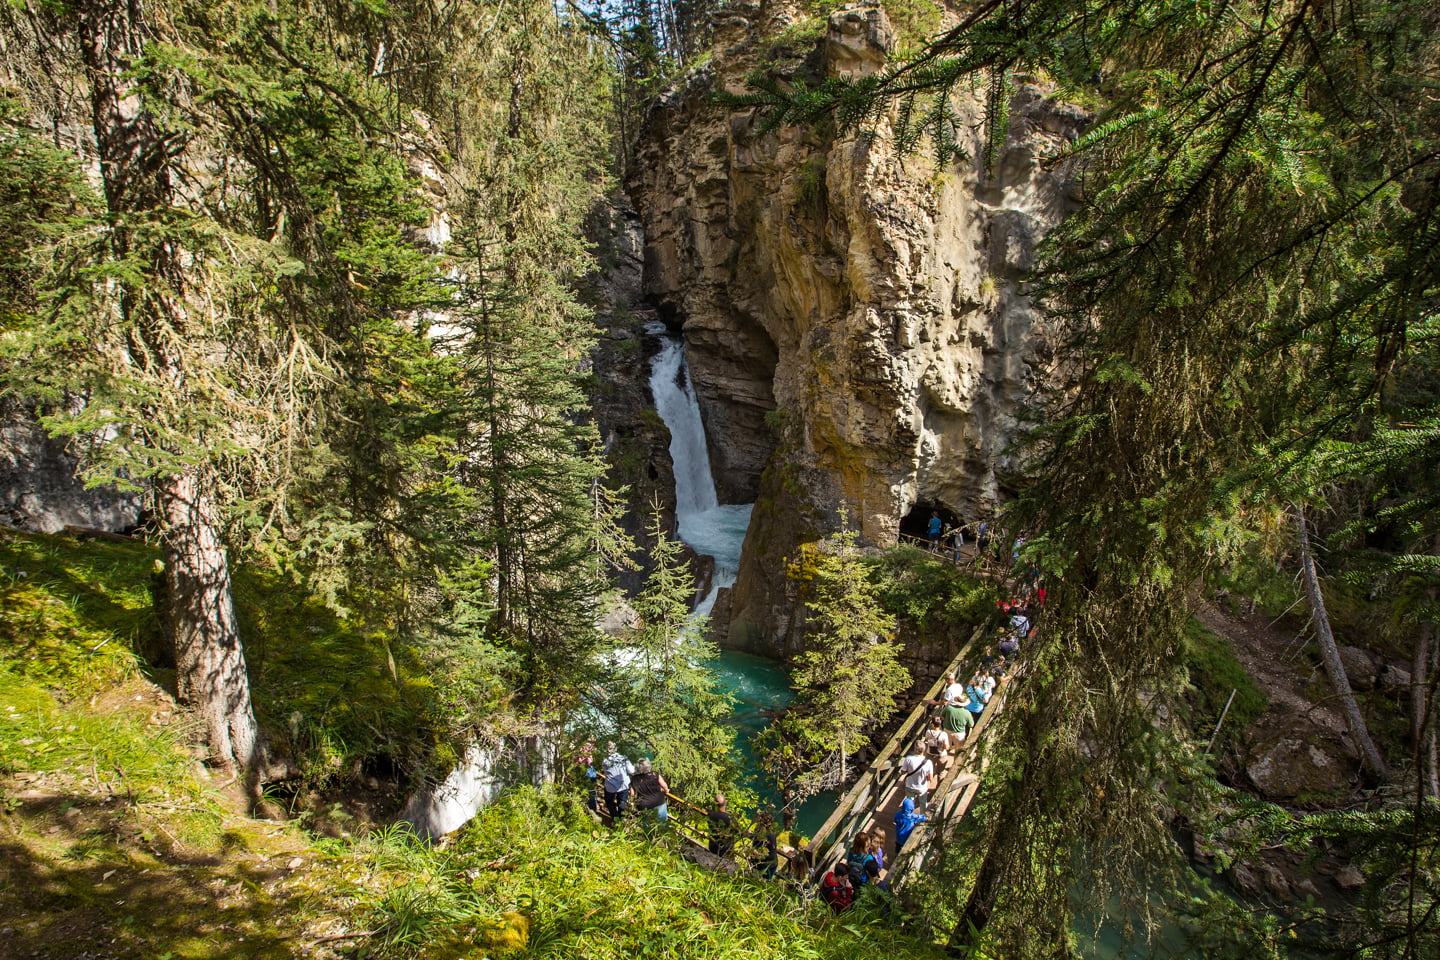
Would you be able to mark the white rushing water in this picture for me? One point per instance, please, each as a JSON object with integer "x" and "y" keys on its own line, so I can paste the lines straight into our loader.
{"x": 712, "y": 529}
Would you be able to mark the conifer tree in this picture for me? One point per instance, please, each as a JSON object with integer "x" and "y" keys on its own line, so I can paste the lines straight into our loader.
{"x": 231, "y": 310}
{"x": 847, "y": 677}
{"x": 534, "y": 165}
{"x": 659, "y": 689}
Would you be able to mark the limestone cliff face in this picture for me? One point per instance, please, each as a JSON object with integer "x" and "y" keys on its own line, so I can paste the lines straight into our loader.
{"x": 853, "y": 323}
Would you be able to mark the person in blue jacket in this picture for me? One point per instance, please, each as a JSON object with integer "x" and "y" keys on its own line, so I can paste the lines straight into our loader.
{"x": 977, "y": 699}
{"x": 905, "y": 820}
{"x": 932, "y": 533}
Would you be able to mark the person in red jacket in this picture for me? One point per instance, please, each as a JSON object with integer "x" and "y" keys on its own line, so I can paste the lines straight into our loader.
{"x": 835, "y": 889}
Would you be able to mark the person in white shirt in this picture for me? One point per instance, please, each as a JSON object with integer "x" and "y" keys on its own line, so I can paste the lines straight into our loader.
{"x": 954, "y": 691}
{"x": 918, "y": 770}
{"x": 936, "y": 740}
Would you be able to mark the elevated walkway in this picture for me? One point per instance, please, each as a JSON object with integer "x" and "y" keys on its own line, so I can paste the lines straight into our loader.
{"x": 876, "y": 795}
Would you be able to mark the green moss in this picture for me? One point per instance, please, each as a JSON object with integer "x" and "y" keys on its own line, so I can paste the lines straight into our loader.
{"x": 1214, "y": 673}
{"x": 810, "y": 187}
{"x": 914, "y": 22}
{"x": 71, "y": 611}
{"x": 801, "y": 33}
{"x": 331, "y": 690}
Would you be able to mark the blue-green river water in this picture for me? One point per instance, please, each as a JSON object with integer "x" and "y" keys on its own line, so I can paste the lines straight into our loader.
{"x": 759, "y": 687}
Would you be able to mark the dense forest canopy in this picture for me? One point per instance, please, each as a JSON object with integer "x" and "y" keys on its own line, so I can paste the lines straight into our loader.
{"x": 308, "y": 276}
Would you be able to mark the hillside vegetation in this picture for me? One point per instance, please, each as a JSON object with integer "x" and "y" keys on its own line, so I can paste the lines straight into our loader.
{"x": 117, "y": 842}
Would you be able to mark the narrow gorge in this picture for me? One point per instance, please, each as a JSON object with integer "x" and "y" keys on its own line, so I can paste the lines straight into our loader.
{"x": 853, "y": 320}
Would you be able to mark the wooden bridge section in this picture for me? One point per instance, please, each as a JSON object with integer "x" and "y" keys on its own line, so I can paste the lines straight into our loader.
{"x": 876, "y": 796}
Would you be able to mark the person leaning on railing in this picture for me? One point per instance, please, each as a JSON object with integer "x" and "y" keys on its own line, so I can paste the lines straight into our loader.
{"x": 649, "y": 790}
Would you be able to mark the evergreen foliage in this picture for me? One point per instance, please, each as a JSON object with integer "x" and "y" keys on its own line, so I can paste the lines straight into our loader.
{"x": 846, "y": 679}
{"x": 1258, "y": 238}
{"x": 272, "y": 335}
{"x": 658, "y": 694}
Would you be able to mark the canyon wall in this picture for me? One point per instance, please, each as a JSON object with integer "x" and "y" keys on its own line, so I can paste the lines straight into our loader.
{"x": 854, "y": 326}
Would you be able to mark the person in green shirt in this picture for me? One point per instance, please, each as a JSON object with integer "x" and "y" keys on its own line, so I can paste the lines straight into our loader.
{"x": 956, "y": 720}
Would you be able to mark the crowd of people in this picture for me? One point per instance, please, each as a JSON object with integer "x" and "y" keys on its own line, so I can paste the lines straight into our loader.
{"x": 617, "y": 786}
{"x": 949, "y": 540}
{"x": 624, "y": 784}
{"x": 958, "y": 709}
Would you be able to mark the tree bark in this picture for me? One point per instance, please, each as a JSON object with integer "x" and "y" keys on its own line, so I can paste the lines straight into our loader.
{"x": 1423, "y": 733}
{"x": 1424, "y": 737}
{"x": 136, "y": 157}
{"x": 1330, "y": 654}
{"x": 210, "y": 675}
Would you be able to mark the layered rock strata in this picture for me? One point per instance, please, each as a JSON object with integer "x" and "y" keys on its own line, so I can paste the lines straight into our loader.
{"x": 854, "y": 327}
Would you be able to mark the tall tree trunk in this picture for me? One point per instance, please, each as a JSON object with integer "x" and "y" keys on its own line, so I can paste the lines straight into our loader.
{"x": 135, "y": 162}
{"x": 1424, "y": 736}
{"x": 1330, "y": 654}
{"x": 210, "y": 664}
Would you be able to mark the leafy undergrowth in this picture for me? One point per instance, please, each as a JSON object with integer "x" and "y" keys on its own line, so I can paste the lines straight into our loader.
{"x": 536, "y": 876}
{"x": 336, "y": 695}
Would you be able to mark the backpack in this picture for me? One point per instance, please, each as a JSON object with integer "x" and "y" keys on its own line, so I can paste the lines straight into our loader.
{"x": 862, "y": 868}
{"x": 617, "y": 774}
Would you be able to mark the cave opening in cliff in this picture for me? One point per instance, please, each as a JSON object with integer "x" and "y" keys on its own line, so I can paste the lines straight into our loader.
{"x": 916, "y": 523}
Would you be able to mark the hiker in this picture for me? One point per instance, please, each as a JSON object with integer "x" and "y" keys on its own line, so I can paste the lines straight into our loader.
{"x": 722, "y": 827}
{"x": 954, "y": 690}
{"x": 586, "y": 758}
{"x": 918, "y": 771}
{"x": 879, "y": 840}
{"x": 956, "y": 721}
{"x": 957, "y": 542}
{"x": 617, "y": 771}
{"x": 836, "y": 890}
{"x": 863, "y": 867}
{"x": 1019, "y": 622}
{"x": 650, "y": 791}
{"x": 937, "y": 745}
{"x": 983, "y": 687}
{"x": 975, "y": 703}
{"x": 933, "y": 529}
{"x": 905, "y": 820}
{"x": 1009, "y": 649}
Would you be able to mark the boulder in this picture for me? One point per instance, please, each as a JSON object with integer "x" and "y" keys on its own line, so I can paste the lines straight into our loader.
{"x": 1394, "y": 678}
{"x": 1349, "y": 877}
{"x": 1360, "y": 667}
{"x": 1300, "y": 767}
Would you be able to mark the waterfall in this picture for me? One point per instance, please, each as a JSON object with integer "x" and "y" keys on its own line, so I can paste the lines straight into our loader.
{"x": 710, "y": 528}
